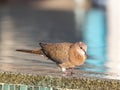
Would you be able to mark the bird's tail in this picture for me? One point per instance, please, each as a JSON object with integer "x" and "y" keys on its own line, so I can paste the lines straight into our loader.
{"x": 39, "y": 51}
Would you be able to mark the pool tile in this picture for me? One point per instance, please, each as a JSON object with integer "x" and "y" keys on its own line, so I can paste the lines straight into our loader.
{"x": 17, "y": 87}
{"x": 30, "y": 88}
{"x": 23, "y": 87}
{"x": 5, "y": 87}
{"x": 12, "y": 87}
{"x": 1, "y": 86}
{"x": 36, "y": 88}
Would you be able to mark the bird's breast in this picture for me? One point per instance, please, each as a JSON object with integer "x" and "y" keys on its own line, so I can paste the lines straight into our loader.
{"x": 77, "y": 56}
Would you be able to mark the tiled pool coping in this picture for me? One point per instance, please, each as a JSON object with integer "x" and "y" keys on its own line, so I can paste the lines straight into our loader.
{"x": 58, "y": 81}
{"x": 4, "y": 86}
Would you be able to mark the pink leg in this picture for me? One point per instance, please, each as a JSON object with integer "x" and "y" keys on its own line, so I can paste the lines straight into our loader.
{"x": 64, "y": 72}
{"x": 72, "y": 71}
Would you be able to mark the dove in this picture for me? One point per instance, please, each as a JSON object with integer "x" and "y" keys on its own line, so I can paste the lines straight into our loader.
{"x": 66, "y": 55}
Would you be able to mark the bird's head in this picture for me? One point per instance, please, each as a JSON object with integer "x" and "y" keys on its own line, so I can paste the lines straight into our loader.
{"x": 82, "y": 47}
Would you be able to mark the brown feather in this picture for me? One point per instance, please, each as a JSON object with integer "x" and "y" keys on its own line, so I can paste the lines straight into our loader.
{"x": 39, "y": 51}
{"x": 58, "y": 52}
{"x": 66, "y": 55}
{"x": 75, "y": 56}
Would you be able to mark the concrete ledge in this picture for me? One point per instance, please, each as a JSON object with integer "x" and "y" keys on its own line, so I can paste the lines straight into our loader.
{"x": 59, "y": 82}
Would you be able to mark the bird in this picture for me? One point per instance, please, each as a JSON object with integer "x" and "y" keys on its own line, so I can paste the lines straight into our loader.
{"x": 66, "y": 55}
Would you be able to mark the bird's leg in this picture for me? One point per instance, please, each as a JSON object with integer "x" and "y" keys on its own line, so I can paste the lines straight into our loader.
{"x": 72, "y": 71}
{"x": 64, "y": 71}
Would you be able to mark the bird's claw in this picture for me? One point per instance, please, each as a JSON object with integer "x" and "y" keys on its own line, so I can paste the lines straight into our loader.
{"x": 65, "y": 73}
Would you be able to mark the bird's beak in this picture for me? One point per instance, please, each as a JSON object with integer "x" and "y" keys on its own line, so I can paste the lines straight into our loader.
{"x": 85, "y": 53}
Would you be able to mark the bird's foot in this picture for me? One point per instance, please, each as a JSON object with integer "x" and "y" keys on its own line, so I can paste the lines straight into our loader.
{"x": 65, "y": 74}
{"x": 64, "y": 71}
{"x": 71, "y": 71}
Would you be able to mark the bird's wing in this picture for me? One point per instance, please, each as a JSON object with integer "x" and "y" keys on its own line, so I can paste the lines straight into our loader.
{"x": 57, "y": 52}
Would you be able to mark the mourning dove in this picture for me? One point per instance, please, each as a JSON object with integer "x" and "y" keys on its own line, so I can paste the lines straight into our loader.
{"x": 66, "y": 55}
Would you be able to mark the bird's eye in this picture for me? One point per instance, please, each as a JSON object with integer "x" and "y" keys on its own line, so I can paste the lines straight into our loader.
{"x": 80, "y": 47}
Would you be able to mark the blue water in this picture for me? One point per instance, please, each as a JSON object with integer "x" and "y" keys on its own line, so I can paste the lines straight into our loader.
{"x": 94, "y": 35}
